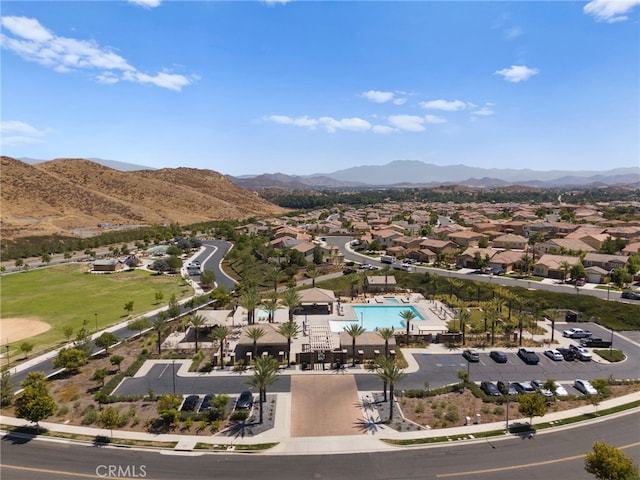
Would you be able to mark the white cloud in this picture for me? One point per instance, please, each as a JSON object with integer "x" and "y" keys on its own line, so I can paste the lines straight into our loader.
{"x": 409, "y": 123}
{"x": 330, "y": 124}
{"x": 377, "y": 96}
{"x": 447, "y": 106}
{"x": 382, "y": 129}
{"x": 15, "y": 132}
{"x": 35, "y": 43}
{"x": 610, "y": 11}
{"x": 399, "y": 101}
{"x": 146, "y": 3}
{"x": 276, "y": 2}
{"x": 483, "y": 112}
{"x": 517, "y": 73}
{"x": 434, "y": 119}
{"x": 513, "y": 32}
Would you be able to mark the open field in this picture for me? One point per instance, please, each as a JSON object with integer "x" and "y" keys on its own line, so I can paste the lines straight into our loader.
{"x": 67, "y": 296}
{"x": 14, "y": 329}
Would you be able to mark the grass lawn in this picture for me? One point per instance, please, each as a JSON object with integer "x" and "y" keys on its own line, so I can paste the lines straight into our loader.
{"x": 66, "y": 295}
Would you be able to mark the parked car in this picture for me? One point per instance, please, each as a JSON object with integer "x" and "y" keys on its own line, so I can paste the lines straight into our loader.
{"x": 349, "y": 271}
{"x": 206, "y": 405}
{"x": 524, "y": 388}
{"x": 537, "y": 384}
{"x": 576, "y": 333}
{"x": 582, "y": 353}
{"x": 568, "y": 354}
{"x": 585, "y": 387}
{"x": 528, "y": 356}
{"x": 245, "y": 400}
{"x": 560, "y": 391}
{"x": 190, "y": 403}
{"x": 506, "y": 388}
{"x": 498, "y": 356}
{"x": 631, "y": 295}
{"x": 490, "y": 389}
{"x": 471, "y": 355}
{"x": 554, "y": 354}
{"x": 581, "y": 282}
{"x": 595, "y": 342}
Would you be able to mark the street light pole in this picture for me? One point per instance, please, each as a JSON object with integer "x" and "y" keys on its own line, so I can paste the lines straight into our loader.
{"x": 506, "y": 427}
{"x": 173, "y": 370}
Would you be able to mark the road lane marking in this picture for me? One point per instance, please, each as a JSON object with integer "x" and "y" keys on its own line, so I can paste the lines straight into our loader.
{"x": 526, "y": 465}
{"x": 163, "y": 370}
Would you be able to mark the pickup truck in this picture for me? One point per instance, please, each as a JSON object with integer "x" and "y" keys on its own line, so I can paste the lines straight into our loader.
{"x": 594, "y": 342}
{"x": 576, "y": 333}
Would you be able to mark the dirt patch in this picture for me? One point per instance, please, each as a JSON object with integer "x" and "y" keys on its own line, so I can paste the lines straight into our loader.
{"x": 324, "y": 405}
{"x": 18, "y": 328}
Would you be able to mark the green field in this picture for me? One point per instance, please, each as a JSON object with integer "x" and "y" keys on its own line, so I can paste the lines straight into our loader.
{"x": 67, "y": 295}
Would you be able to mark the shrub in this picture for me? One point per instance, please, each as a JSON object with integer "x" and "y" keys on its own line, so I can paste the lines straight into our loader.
{"x": 63, "y": 410}
{"x": 239, "y": 415}
{"x": 499, "y": 410}
{"x": 420, "y": 407}
{"x": 90, "y": 416}
{"x": 452, "y": 414}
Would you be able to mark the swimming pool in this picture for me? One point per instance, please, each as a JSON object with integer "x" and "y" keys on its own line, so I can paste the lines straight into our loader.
{"x": 391, "y": 300}
{"x": 373, "y": 317}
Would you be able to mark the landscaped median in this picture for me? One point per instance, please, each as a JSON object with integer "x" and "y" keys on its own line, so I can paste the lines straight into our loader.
{"x": 518, "y": 429}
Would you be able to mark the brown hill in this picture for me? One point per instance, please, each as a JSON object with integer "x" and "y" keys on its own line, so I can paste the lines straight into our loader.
{"x": 66, "y": 195}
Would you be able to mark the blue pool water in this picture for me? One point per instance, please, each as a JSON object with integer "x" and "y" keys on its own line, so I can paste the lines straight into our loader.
{"x": 373, "y": 317}
{"x": 391, "y": 300}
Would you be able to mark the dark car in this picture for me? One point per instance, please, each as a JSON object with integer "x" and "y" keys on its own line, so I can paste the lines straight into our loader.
{"x": 568, "y": 354}
{"x": 498, "y": 356}
{"x": 471, "y": 355}
{"x": 631, "y": 295}
{"x": 245, "y": 400}
{"x": 206, "y": 403}
{"x": 528, "y": 356}
{"x": 595, "y": 342}
{"x": 490, "y": 389}
{"x": 190, "y": 403}
{"x": 349, "y": 271}
{"x": 524, "y": 388}
{"x": 506, "y": 388}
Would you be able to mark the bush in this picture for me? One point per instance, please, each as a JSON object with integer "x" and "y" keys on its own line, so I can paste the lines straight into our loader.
{"x": 63, "y": 410}
{"x": 239, "y": 415}
{"x": 419, "y": 407}
{"x": 452, "y": 414}
{"x": 90, "y": 416}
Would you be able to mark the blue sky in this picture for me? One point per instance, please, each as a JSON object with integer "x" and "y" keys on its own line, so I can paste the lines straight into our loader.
{"x": 312, "y": 87}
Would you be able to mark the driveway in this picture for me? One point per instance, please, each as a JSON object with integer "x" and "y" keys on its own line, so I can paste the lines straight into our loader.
{"x": 324, "y": 405}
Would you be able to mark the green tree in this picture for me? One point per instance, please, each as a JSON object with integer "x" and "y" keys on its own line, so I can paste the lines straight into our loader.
{"x": 532, "y": 405}
{"x": 67, "y": 331}
{"x": 289, "y": 330}
{"x": 35, "y": 403}
{"x": 139, "y": 324}
{"x": 265, "y": 373}
{"x": 271, "y": 306}
{"x": 390, "y": 374}
{"x": 7, "y": 388}
{"x": 578, "y": 271}
{"x": 174, "y": 306}
{"x": 19, "y": 262}
{"x": 99, "y": 375}
{"x": 129, "y": 307}
{"x": 354, "y": 331}
{"x": 26, "y": 347}
{"x": 274, "y": 275}
{"x": 249, "y": 300}
{"x": 159, "y": 296}
{"x": 607, "y": 462}
{"x": 116, "y": 360}
{"x": 71, "y": 359}
{"x": 255, "y": 333}
{"x": 46, "y": 258}
{"x": 291, "y": 299}
{"x": 197, "y": 321}
{"x": 109, "y": 418}
{"x": 220, "y": 333}
{"x": 167, "y": 407}
{"x": 621, "y": 277}
{"x": 106, "y": 340}
{"x": 159, "y": 324}
{"x": 407, "y": 316}
{"x": 174, "y": 263}
{"x": 386, "y": 334}
{"x": 313, "y": 273}
{"x": 207, "y": 278}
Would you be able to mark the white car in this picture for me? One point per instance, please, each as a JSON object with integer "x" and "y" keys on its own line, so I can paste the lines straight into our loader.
{"x": 538, "y": 386}
{"x": 582, "y": 353}
{"x": 585, "y": 387}
{"x": 554, "y": 354}
{"x": 560, "y": 391}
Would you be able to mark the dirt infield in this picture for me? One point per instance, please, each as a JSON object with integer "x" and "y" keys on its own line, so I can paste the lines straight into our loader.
{"x": 19, "y": 328}
{"x": 324, "y": 405}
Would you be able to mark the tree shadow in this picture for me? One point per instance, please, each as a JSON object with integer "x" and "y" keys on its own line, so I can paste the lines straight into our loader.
{"x": 368, "y": 424}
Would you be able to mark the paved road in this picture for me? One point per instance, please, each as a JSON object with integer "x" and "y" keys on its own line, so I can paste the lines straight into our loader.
{"x": 552, "y": 454}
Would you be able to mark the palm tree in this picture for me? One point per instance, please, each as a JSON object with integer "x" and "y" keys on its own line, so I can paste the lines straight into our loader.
{"x": 354, "y": 330}
{"x": 386, "y": 334}
{"x": 464, "y": 315}
{"x": 220, "y": 333}
{"x": 289, "y": 330}
{"x": 566, "y": 266}
{"x": 527, "y": 263}
{"x": 250, "y": 299}
{"x": 159, "y": 323}
{"x": 265, "y": 373}
{"x": 197, "y": 321}
{"x": 312, "y": 273}
{"x": 271, "y": 306}
{"x": 255, "y": 333}
{"x": 390, "y": 374}
{"x": 454, "y": 284}
{"x": 407, "y": 316}
{"x": 275, "y": 275}
{"x": 291, "y": 299}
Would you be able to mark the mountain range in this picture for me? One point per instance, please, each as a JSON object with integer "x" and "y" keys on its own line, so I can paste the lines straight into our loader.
{"x": 73, "y": 196}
